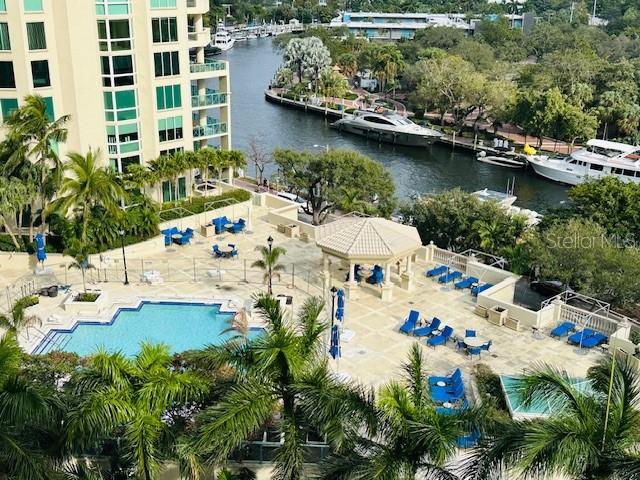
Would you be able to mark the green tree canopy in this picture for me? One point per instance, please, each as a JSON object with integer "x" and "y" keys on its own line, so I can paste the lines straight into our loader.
{"x": 320, "y": 179}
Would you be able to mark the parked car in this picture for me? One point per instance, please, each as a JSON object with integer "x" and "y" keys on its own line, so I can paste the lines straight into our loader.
{"x": 294, "y": 198}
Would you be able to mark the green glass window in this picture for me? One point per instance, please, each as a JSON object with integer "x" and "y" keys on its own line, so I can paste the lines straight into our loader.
{"x": 8, "y": 105}
{"x": 170, "y": 129}
{"x": 36, "y": 36}
{"x": 48, "y": 103}
{"x": 3, "y": 6}
{"x": 164, "y": 30}
{"x": 163, "y": 3}
{"x": 5, "y": 42}
{"x": 40, "y": 72}
{"x": 32, "y": 5}
{"x": 166, "y": 191}
{"x": 182, "y": 187}
{"x": 168, "y": 96}
{"x": 112, "y": 7}
{"x": 125, "y": 99}
{"x": 108, "y": 100}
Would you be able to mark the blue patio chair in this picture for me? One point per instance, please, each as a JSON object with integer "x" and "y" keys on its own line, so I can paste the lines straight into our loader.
{"x": 219, "y": 224}
{"x": 486, "y": 346}
{"x": 594, "y": 340}
{"x": 217, "y": 252}
{"x": 563, "y": 329}
{"x": 449, "y": 277}
{"x": 466, "y": 283}
{"x": 427, "y": 329}
{"x": 439, "y": 270}
{"x": 580, "y": 336}
{"x": 469, "y": 333}
{"x": 410, "y": 322}
{"x": 460, "y": 345}
{"x": 376, "y": 276}
{"x": 454, "y": 377}
{"x": 442, "y": 338}
{"x": 474, "y": 351}
{"x": 238, "y": 226}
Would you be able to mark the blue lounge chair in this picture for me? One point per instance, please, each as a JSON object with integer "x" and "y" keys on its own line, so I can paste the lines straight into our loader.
{"x": 449, "y": 388}
{"x": 440, "y": 396}
{"x": 442, "y": 338}
{"x": 450, "y": 277}
{"x": 480, "y": 288}
{"x": 580, "y": 336}
{"x": 427, "y": 329}
{"x": 468, "y": 441}
{"x": 594, "y": 340}
{"x": 455, "y": 376}
{"x": 563, "y": 329}
{"x": 439, "y": 270}
{"x": 410, "y": 322}
{"x": 466, "y": 283}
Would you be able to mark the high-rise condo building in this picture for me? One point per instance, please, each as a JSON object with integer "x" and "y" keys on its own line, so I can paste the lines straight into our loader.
{"x": 132, "y": 75}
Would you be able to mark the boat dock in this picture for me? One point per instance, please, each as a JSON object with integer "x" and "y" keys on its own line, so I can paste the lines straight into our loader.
{"x": 268, "y": 30}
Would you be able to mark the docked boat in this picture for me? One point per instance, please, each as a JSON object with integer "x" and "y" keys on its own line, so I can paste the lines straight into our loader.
{"x": 506, "y": 160}
{"x": 386, "y": 126}
{"x": 600, "y": 158}
{"x": 222, "y": 38}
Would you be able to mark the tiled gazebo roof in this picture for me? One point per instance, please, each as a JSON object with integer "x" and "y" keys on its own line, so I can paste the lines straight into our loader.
{"x": 367, "y": 238}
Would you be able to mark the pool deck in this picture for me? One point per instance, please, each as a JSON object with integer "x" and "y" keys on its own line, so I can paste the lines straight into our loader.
{"x": 375, "y": 352}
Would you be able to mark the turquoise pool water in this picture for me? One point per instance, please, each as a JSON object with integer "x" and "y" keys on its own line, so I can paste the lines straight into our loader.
{"x": 182, "y": 326}
{"x": 539, "y": 407}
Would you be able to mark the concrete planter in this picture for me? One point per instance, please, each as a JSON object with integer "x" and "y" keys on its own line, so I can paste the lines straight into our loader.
{"x": 497, "y": 315}
{"x": 85, "y": 308}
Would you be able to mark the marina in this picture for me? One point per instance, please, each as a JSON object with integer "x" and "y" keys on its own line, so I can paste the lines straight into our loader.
{"x": 416, "y": 170}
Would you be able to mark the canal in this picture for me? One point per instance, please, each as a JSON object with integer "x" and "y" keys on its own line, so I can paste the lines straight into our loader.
{"x": 415, "y": 170}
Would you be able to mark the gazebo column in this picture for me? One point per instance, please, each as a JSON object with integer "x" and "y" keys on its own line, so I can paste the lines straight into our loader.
{"x": 406, "y": 279}
{"x": 351, "y": 286}
{"x": 386, "y": 292}
{"x": 326, "y": 273}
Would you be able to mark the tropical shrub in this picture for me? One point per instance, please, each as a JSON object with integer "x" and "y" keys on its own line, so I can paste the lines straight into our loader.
{"x": 195, "y": 205}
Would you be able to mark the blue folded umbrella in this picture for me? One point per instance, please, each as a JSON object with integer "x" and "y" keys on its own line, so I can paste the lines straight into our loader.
{"x": 340, "y": 314}
{"x": 40, "y": 253}
{"x": 334, "y": 349}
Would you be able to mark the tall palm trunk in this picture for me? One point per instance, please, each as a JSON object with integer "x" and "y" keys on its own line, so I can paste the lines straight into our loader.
{"x": 11, "y": 234}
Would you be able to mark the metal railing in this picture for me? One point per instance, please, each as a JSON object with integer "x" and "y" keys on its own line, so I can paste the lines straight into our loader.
{"x": 209, "y": 130}
{"x": 207, "y": 66}
{"x": 212, "y": 97}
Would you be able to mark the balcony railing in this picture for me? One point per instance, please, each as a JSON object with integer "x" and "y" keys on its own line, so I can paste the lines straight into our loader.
{"x": 211, "y": 97}
{"x": 207, "y": 66}
{"x": 209, "y": 130}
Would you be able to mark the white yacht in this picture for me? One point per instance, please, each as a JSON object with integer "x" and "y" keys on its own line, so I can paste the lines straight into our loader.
{"x": 598, "y": 159}
{"x": 222, "y": 38}
{"x": 386, "y": 126}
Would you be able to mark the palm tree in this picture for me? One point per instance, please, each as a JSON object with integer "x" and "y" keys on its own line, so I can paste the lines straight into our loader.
{"x": 17, "y": 321}
{"x": 207, "y": 157}
{"x": 88, "y": 186}
{"x": 119, "y": 394}
{"x": 592, "y": 433}
{"x": 37, "y": 137}
{"x": 281, "y": 372}
{"x": 13, "y": 197}
{"x": 79, "y": 251}
{"x": 490, "y": 232}
{"x": 236, "y": 160}
{"x": 269, "y": 263}
{"x": 412, "y": 440}
{"x": 333, "y": 85}
{"x": 138, "y": 176}
{"x": 28, "y": 416}
{"x": 161, "y": 169}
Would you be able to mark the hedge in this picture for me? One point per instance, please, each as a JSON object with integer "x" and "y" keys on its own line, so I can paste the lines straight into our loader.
{"x": 195, "y": 205}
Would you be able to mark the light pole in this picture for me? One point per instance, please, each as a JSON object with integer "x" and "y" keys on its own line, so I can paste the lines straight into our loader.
{"x": 124, "y": 258}
{"x": 270, "y": 243}
{"x": 334, "y": 291}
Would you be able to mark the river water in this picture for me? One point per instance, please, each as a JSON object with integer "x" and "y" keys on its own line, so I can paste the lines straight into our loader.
{"x": 415, "y": 170}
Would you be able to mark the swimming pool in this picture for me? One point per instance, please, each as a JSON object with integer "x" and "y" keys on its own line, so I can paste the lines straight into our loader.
{"x": 539, "y": 407}
{"x": 182, "y": 326}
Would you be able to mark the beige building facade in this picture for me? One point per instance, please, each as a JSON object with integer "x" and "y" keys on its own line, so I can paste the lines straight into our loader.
{"x": 132, "y": 75}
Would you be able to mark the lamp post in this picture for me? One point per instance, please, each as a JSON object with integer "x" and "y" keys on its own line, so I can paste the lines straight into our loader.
{"x": 334, "y": 291}
{"x": 124, "y": 258}
{"x": 270, "y": 243}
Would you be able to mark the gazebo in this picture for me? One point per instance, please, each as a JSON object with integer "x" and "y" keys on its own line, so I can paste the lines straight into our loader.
{"x": 369, "y": 241}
